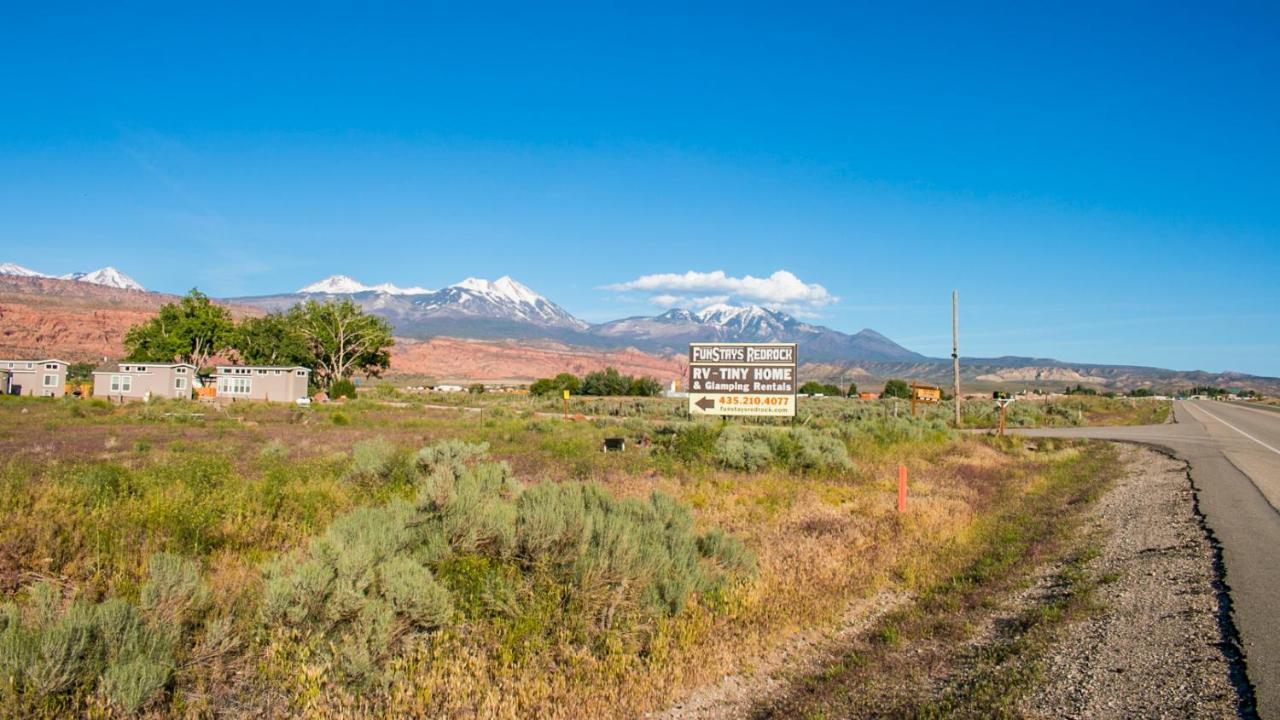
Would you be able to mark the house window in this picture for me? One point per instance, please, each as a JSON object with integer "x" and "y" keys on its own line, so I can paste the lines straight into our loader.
{"x": 276, "y": 372}
{"x": 51, "y": 366}
{"x": 301, "y": 373}
{"x": 30, "y": 365}
{"x": 180, "y": 383}
{"x": 50, "y": 380}
{"x": 121, "y": 383}
{"x": 180, "y": 371}
{"x": 234, "y": 385}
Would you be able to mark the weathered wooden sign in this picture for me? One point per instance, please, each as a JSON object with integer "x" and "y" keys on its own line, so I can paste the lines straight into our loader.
{"x": 926, "y": 393}
{"x": 755, "y": 379}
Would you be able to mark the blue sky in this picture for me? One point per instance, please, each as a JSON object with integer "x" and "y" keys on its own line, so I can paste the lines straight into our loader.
{"x": 1097, "y": 180}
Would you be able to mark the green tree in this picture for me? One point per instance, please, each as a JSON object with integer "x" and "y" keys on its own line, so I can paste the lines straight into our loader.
{"x": 343, "y": 339}
{"x": 896, "y": 389}
{"x": 568, "y": 381}
{"x": 273, "y": 339}
{"x": 813, "y": 387}
{"x": 80, "y": 372}
{"x": 557, "y": 384}
{"x": 191, "y": 330}
{"x": 853, "y": 390}
{"x": 1141, "y": 392}
{"x": 476, "y": 388}
{"x": 645, "y": 387}
{"x": 605, "y": 382}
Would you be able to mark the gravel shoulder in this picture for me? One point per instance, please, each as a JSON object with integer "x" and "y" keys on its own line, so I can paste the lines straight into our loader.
{"x": 1155, "y": 646}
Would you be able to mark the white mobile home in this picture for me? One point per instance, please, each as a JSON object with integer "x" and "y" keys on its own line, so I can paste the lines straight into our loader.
{"x": 276, "y": 383}
{"x": 41, "y": 378}
{"x": 143, "y": 381}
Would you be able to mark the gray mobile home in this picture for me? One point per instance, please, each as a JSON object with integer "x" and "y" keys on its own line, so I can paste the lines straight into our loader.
{"x": 144, "y": 381}
{"x": 41, "y": 378}
{"x": 275, "y": 383}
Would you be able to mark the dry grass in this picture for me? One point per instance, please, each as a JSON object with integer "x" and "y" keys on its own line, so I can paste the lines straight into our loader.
{"x": 206, "y": 488}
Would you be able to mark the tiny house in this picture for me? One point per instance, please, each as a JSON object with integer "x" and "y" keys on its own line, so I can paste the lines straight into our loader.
{"x": 39, "y": 378}
{"x": 276, "y": 383}
{"x": 127, "y": 381}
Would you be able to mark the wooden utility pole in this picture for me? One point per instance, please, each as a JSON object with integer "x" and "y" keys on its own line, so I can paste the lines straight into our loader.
{"x": 955, "y": 350}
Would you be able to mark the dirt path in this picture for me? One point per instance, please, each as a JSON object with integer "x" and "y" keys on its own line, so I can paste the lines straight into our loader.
{"x": 737, "y": 696}
{"x": 1155, "y": 648}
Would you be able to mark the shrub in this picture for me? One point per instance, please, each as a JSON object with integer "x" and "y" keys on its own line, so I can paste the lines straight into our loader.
{"x": 451, "y": 454}
{"x": 357, "y": 591}
{"x": 174, "y": 593}
{"x": 371, "y": 459}
{"x": 797, "y": 449}
{"x": 342, "y": 389}
{"x": 52, "y": 651}
{"x": 737, "y": 449}
{"x": 274, "y": 451}
{"x": 379, "y": 575}
{"x": 690, "y": 442}
{"x": 340, "y": 419}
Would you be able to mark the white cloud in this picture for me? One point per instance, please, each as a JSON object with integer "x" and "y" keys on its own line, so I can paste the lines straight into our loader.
{"x": 667, "y": 300}
{"x": 782, "y": 290}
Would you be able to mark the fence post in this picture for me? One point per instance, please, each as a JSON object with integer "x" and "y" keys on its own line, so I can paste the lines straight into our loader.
{"x": 902, "y": 488}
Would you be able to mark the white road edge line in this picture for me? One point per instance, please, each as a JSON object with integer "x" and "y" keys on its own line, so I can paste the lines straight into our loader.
{"x": 1233, "y": 427}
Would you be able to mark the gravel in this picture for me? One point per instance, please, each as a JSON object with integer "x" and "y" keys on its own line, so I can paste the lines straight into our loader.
{"x": 1155, "y": 648}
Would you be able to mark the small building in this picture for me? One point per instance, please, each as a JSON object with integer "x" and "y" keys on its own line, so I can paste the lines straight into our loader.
{"x": 275, "y": 383}
{"x": 143, "y": 381}
{"x": 39, "y": 378}
{"x": 868, "y": 396}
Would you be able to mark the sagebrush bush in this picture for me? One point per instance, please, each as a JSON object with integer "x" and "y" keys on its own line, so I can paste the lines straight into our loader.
{"x": 739, "y": 449}
{"x": 451, "y": 454}
{"x": 358, "y": 590}
{"x": 797, "y": 449}
{"x": 690, "y": 442}
{"x": 377, "y": 459}
{"x": 53, "y": 651}
{"x": 374, "y": 578}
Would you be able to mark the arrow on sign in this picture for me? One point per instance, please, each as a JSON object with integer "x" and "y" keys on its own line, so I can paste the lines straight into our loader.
{"x": 706, "y": 403}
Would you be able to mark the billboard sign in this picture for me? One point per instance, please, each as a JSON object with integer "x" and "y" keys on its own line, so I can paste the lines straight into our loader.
{"x": 751, "y": 379}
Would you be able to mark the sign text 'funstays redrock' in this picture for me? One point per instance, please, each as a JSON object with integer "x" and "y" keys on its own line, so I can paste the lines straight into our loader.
{"x": 742, "y": 379}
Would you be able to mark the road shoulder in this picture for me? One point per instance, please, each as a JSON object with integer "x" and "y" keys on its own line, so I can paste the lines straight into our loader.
{"x": 1155, "y": 646}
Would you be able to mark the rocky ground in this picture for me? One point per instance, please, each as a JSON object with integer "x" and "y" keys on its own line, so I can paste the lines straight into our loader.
{"x": 1154, "y": 648}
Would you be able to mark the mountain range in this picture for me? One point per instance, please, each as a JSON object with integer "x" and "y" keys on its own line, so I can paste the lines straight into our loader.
{"x": 107, "y": 276}
{"x": 505, "y": 308}
{"x": 482, "y": 329}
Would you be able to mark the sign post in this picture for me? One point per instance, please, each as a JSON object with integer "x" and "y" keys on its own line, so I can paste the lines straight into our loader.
{"x": 1003, "y": 400}
{"x": 747, "y": 379}
{"x": 566, "y": 404}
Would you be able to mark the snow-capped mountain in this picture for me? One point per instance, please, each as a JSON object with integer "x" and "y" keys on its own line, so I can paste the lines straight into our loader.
{"x": 107, "y": 276}
{"x": 503, "y": 298}
{"x": 19, "y": 271}
{"x": 474, "y": 307}
{"x": 674, "y": 329}
{"x": 346, "y": 285}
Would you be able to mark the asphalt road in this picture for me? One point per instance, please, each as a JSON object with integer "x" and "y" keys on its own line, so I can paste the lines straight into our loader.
{"x": 1234, "y": 453}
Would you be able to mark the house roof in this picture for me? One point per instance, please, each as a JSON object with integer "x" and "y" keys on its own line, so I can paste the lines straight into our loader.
{"x": 115, "y": 367}
{"x": 264, "y": 367}
{"x": 34, "y": 360}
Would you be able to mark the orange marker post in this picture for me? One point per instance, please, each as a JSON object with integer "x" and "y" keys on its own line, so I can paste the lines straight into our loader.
{"x": 902, "y": 488}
